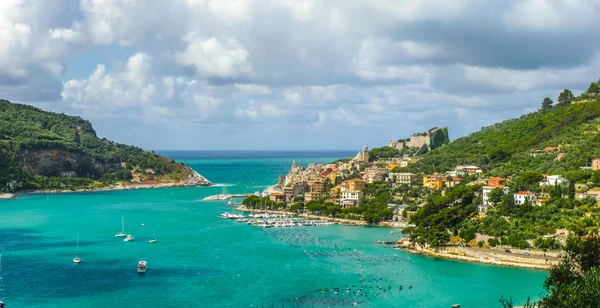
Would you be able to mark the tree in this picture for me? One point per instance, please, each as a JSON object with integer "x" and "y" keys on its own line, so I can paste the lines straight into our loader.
{"x": 496, "y": 196}
{"x": 594, "y": 88}
{"x": 576, "y": 280}
{"x": 530, "y": 178}
{"x": 547, "y": 103}
{"x": 565, "y": 98}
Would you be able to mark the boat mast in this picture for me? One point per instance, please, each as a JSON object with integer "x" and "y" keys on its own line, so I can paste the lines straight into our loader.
{"x": 1, "y": 280}
{"x": 122, "y": 223}
{"x": 77, "y": 254}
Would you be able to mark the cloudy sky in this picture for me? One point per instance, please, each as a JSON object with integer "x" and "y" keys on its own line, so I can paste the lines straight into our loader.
{"x": 293, "y": 74}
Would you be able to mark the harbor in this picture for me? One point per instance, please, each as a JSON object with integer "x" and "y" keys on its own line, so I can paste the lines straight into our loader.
{"x": 265, "y": 220}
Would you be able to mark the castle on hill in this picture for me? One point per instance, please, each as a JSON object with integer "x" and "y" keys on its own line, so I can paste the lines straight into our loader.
{"x": 424, "y": 142}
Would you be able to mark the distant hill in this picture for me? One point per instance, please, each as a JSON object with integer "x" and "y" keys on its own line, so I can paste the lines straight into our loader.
{"x": 46, "y": 150}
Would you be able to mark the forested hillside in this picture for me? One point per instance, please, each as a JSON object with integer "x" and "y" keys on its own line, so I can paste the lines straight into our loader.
{"x": 40, "y": 149}
{"x": 518, "y": 145}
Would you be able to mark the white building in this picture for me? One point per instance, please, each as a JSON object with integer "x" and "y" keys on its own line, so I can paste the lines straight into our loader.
{"x": 349, "y": 198}
{"x": 523, "y": 196}
{"x": 486, "y": 194}
{"x": 465, "y": 170}
{"x": 552, "y": 180}
{"x": 405, "y": 178}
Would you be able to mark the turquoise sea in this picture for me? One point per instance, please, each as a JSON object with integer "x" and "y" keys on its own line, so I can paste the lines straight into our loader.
{"x": 202, "y": 261}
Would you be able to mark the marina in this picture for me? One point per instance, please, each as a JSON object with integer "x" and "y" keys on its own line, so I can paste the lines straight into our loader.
{"x": 265, "y": 220}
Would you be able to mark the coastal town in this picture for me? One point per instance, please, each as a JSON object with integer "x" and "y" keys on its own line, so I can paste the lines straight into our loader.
{"x": 342, "y": 191}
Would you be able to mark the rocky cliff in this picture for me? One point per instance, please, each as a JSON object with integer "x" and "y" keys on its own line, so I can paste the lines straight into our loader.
{"x": 46, "y": 150}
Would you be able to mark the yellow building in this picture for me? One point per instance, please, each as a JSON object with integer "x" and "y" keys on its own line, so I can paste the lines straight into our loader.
{"x": 356, "y": 184}
{"x": 332, "y": 177}
{"x": 317, "y": 185}
{"x": 309, "y": 196}
{"x": 391, "y": 166}
{"x": 433, "y": 182}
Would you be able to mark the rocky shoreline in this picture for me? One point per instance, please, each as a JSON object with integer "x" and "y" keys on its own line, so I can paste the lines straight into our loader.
{"x": 7, "y": 196}
{"x": 484, "y": 257}
{"x": 193, "y": 180}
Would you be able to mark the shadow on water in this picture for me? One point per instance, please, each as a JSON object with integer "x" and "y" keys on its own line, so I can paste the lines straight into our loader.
{"x": 15, "y": 239}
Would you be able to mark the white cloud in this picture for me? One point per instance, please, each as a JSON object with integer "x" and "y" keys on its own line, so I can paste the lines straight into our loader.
{"x": 213, "y": 58}
{"x": 112, "y": 91}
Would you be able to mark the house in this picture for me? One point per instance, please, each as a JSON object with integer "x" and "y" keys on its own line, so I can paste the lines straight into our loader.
{"x": 354, "y": 184}
{"x": 296, "y": 189}
{"x": 316, "y": 185}
{"x": 373, "y": 174}
{"x": 392, "y": 165}
{"x": 311, "y": 195}
{"x": 435, "y": 182}
{"x": 560, "y": 156}
{"x": 404, "y": 178}
{"x": 485, "y": 194}
{"x": 465, "y": 170}
{"x": 523, "y": 196}
{"x": 453, "y": 181}
{"x": 350, "y": 198}
{"x": 496, "y": 182}
{"x": 552, "y": 180}
{"x": 277, "y": 197}
{"x": 596, "y": 164}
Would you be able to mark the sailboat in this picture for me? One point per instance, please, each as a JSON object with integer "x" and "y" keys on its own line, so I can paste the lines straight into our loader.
{"x": 77, "y": 260}
{"x": 122, "y": 233}
{"x": 154, "y": 239}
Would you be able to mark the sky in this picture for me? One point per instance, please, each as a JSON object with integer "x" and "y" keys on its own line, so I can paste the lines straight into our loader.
{"x": 293, "y": 74}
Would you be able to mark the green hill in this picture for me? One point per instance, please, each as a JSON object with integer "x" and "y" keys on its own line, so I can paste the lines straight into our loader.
{"x": 46, "y": 150}
{"x": 517, "y": 145}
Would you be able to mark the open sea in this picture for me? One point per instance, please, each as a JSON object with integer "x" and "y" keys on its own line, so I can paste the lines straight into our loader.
{"x": 200, "y": 260}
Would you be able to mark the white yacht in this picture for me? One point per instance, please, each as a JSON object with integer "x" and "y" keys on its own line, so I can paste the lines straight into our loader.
{"x": 142, "y": 266}
{"x": 129, "y": 238}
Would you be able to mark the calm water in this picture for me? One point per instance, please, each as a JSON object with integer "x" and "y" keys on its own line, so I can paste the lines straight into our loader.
{"x": 202, "y": 261}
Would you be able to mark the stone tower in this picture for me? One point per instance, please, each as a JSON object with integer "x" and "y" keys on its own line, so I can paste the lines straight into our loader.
{"x": 365, "y": 154}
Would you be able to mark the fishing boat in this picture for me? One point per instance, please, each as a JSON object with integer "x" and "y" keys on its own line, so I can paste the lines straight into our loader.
{"x": 142, "y": 266}
{"x": 77, "y": 260}
{"x": 122, "y": 233}
{"x": 129, "y": 238}
{"x": 154, "y": 239}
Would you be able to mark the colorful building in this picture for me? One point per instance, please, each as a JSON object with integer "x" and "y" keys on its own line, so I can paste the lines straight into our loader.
{"x": 435, "y": 182}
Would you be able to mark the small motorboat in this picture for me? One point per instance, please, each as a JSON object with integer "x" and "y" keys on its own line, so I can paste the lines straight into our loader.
{"x": 76, "y": 260}
{"x": 142, "y": 266}
{"x": 129, "y": 238}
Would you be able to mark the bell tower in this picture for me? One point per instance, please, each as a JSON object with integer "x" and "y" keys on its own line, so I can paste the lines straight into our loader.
{"x": 365, "y": 154}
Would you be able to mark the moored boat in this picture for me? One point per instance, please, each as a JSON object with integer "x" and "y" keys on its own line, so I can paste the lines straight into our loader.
{"x": 129, "y": 238}
{"x": 142, "y": 266}
{"x": 122, "y": 233}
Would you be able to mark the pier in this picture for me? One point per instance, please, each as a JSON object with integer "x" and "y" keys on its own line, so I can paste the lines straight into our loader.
{"x": 221, "y": 197}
